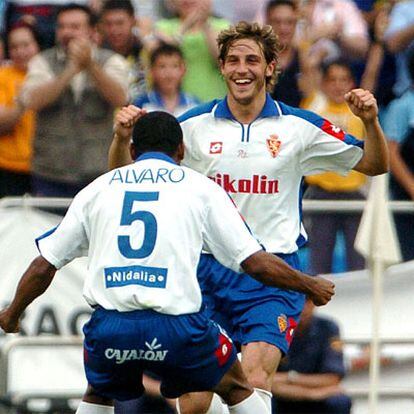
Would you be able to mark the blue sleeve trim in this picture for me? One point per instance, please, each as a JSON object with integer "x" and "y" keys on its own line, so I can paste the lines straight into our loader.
{"x": 198, "y": 110}
{"x": 43, "y": 236}
{"x": 321, "y": 123}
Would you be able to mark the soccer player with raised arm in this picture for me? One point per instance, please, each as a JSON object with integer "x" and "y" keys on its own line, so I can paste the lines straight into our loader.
{"x": 143, "y": 227}
{"x": 259, "y": 150}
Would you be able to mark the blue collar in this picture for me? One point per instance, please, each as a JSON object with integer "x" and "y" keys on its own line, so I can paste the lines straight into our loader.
{"x": 156, "y": 156}
{"x": 156, "y": 98}
{"x": 269, "y": 109}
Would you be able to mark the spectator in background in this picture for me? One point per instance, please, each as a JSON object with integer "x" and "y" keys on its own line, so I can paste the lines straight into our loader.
{"x": 399, "y": 129}
{"x": 282, "y": 15}
{"x": 16, "y": 123}
{"x": 308, "y": 379}
{"x": 74, "y": 87}
{"x": 337, "y": 80}
{"x": 235, "y": 11}
{"x": 2, "y": 56}
{"x": 41, "y": 15}
{"x": 3, "y": 6}
{"x": 117, "y": 23}
{"x": 195, "y": 30}
{"x": 167, "y": 69}
{"x": 379, "y": 71}
{"x": 335, "y": 26}
{"x": 399, "y": 38}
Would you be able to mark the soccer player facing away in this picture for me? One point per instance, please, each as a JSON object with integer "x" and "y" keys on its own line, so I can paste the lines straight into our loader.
{"x": 143, "y": 227}
{"x": 258, "y": 150}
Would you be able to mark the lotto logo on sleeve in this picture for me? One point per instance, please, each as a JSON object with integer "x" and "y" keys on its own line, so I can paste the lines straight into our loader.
{"x": 216, "y": 147}
{"x": 333, "y": 130}
{"x": 155, "y": 277}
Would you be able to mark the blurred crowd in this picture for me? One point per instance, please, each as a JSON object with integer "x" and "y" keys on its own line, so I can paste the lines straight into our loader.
{"x": 66, "y": 67}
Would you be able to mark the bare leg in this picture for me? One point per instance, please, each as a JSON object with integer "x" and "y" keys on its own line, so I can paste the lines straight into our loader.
{"x": 93, "y": 403}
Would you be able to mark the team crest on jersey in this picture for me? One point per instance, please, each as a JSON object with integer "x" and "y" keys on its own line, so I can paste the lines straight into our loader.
{"x": 282, "y": 322}
{"x": 216, "y": 147}
{"x": 273, "y": 145}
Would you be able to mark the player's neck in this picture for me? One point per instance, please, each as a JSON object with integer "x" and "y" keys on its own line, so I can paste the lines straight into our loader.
{"x": 246, "y": 113}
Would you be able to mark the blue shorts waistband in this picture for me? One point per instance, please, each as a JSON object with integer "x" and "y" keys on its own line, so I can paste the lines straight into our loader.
{"x": 139, "y": 313}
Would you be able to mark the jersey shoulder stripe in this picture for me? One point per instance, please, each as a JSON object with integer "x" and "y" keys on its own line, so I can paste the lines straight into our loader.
{"x": 322, "y": 124}
{"x": 198, "y": 110}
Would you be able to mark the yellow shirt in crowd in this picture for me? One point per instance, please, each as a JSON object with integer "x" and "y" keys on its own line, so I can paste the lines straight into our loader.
{"x": 341, "y": 116}
{"x": 16, "y": 147}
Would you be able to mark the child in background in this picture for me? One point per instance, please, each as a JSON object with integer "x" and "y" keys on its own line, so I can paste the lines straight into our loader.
{"x": 167, "y": 69}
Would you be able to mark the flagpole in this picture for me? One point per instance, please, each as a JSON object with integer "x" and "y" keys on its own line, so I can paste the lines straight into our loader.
{"x": 377, "y": 269}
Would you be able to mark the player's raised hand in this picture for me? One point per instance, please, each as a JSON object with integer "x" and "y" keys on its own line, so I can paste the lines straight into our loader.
{"x": 322, "y": 291}
{"x": 363, "y": 104}
{"x": 125, "y": 120}
{"x": 8, "y": 323}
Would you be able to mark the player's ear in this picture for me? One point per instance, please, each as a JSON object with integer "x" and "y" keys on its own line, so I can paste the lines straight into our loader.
{"x": 180, "y": 152}
{"x": 133, "y": 151}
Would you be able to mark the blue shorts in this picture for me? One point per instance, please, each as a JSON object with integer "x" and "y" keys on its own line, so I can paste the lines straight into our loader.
{"x": 188, "y": 352}
{"x": 247, "y": 309}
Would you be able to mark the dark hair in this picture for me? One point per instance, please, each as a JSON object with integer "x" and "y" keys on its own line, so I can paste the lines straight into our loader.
{"x": 20, "y": 24}
{"x": 264, "y": 36}
{"x": 157, "y": 131}
{"x": 410, "y": 65}
{"x": 124, "y": 5}
{"x": 343, "y": 63}
{"x": 276, "y": 3}
{"x": 165, "y": 49}
{"x": 74, "y": 6}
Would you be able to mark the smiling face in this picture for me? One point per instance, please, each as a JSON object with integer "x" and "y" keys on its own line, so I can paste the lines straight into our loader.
{"x": 245, "y": 69}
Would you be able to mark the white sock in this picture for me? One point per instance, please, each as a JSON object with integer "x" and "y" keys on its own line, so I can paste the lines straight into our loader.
{"x": 217, "y": 406}
{"x": 88, "y": 408}
{"x": 266, "y": 396}
{"x": 177, "y": 406}
{"x": 252, "y": 404}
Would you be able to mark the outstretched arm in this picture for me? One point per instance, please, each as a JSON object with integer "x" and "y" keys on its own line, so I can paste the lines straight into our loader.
{"x": 273, "y": 271}
{"x": 125, "y": 120}
{"x": 375, "y": 160}
{"x": 34, "y": 282}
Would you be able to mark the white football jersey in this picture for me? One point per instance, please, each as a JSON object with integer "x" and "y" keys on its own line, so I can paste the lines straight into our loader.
{"x": 261, "y": 165}
{"x": 143, "y": 227}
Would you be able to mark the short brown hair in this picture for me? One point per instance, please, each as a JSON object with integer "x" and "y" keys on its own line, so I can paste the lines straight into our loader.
{"x": 264, "y": 36}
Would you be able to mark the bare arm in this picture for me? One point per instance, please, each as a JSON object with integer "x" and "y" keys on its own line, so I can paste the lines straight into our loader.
{"x": 401, "y": 39}
{"x": 119, "y": 153}
{"x": 400, "y": 170}
{"x": 273, "y": 271}
{"x": 109, "y": 88}
{"x": 45, "y": 94}
{"x": 375, "y": 160}
{"x": 376, "y": 52}
{"x": 34, "y": 282}
{"x": 80, "y": 52}
{"x": 356, "y": 46}
{"x": 9, "y": 117}
{"x": 305, "y": 386}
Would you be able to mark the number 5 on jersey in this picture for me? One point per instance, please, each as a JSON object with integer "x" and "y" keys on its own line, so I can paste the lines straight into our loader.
{"x": 149, "y": 220}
